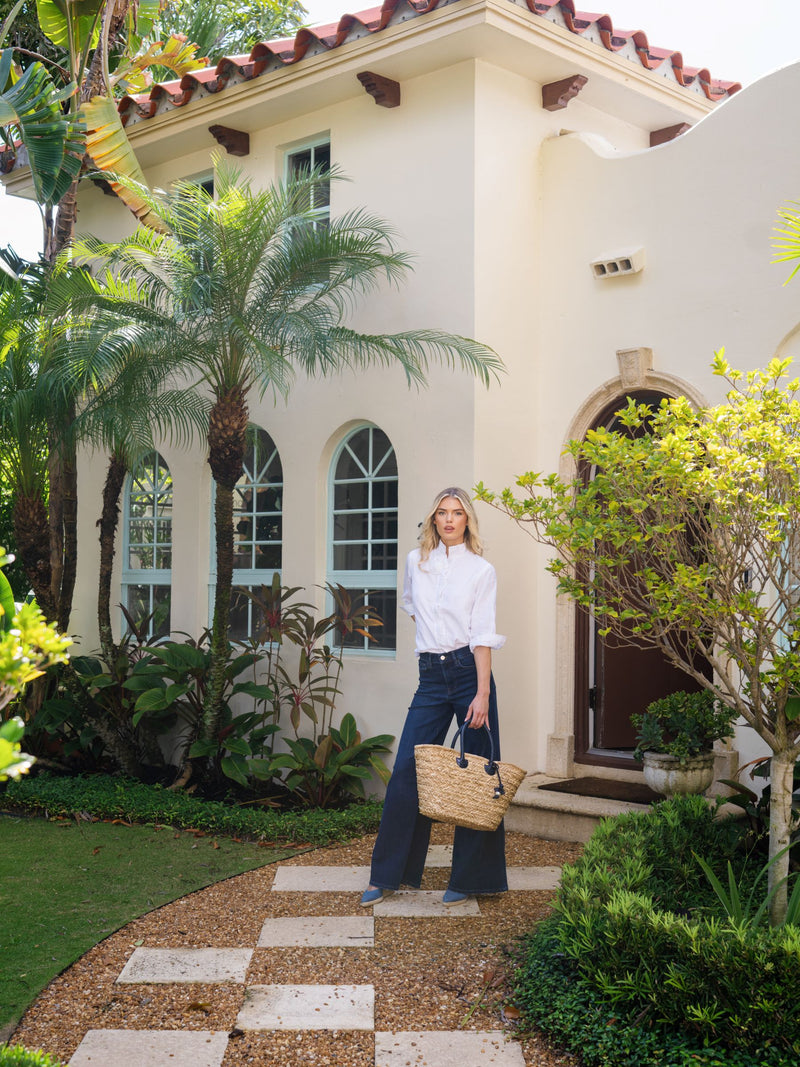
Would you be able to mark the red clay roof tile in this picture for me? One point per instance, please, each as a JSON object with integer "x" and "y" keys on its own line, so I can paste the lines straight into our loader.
{"x": 272, "y": 55}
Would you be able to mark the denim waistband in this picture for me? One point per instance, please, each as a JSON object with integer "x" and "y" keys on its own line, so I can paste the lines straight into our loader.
{"x": 427, "y": 659}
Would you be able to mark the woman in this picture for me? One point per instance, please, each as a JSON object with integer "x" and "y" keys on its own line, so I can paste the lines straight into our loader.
{"x": 449, "y": 591}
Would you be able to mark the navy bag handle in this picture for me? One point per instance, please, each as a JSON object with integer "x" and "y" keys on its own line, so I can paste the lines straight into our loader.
{"x": 491, "y": 767}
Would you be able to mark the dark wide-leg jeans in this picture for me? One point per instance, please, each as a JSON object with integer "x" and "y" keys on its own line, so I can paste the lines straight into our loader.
{"x": 447, "y": 686}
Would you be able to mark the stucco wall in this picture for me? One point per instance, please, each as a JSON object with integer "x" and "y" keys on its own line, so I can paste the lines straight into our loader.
{"x": 703, "y": 207}
{"x": 504, "y": 215}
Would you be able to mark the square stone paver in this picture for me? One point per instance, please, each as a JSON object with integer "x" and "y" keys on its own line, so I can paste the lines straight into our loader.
{"x": 459, "y": 1048}
{"x": 151, "y": 1048}
{"x": 439, "y": 856}
{"x": 321, "y": 880}
{"x": 160, "y": 965}
{"x": 351, "y": 931}
{"x": 537, "y": 878}
{"x": 308, "y": 1007}
{"x": 421, "y": 903}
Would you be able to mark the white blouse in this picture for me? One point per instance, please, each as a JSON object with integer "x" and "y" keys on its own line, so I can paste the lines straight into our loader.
{"x": 452, "y": 598}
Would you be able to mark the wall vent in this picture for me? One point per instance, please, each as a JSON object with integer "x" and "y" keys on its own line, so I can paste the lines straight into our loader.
{"x": 617, "y": 266}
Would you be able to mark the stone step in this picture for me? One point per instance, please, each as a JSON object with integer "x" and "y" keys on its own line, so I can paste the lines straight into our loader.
{"x": 559, "y": 816}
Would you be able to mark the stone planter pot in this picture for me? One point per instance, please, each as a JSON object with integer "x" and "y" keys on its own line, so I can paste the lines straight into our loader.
{"x": 665, "y": 775}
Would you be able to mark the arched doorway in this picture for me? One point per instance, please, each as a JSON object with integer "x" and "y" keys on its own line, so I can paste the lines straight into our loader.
{"x": 615, "y": 680}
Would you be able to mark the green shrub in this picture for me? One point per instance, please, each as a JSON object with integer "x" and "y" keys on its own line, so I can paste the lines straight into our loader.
{"x": 553, "y": 996}
{"x": 112, "y": 797}
{"x": 655, "y": 852}
{"x": 17, "y": 1056}
{"x": 640, "y": 938}
{"x": 683, "y": 725}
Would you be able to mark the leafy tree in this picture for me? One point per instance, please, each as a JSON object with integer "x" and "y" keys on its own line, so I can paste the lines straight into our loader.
{"x": 240, "y": 293}
{"x": 687, "y": 540}
{"x": 229, "y": 27}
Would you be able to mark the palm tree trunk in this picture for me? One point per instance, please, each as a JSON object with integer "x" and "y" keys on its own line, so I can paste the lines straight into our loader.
{"x": 109, "y": 519}
{"x": 223, "y": 521}
{"x": 69, "y": 513}
{"x": 55, "y": 471}
{"x": 227, "y": 430}
{"x": 32, "y": 536}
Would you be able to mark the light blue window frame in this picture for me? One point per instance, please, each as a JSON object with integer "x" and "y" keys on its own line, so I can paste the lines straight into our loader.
{"x": 258, "y": 529}
{"x": 370, "y": 476}
{"x": 147, "y": 543}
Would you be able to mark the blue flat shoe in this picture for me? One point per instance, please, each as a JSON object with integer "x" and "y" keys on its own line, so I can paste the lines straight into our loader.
{"x": 372, "y": 896}
{"x": 451, "y": 898}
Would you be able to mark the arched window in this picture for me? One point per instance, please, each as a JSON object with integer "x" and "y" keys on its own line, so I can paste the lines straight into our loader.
{"x": 363, "y": 530}
{"x": 147, "y": 545}
{"x": 257, "y": 528}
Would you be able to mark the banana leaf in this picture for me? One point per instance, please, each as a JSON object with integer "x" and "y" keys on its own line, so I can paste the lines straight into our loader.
{"x": 31, "y": 107}
{"x": 111, "y": 152}
{"x": 55, "y": 15}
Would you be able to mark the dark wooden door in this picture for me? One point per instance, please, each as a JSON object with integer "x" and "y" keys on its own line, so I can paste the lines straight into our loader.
{"x": 627, "y": 679}
{"x": 622, "y": 678}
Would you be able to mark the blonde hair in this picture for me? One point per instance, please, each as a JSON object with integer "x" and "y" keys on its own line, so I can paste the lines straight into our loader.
{"x": 429, "y": 536}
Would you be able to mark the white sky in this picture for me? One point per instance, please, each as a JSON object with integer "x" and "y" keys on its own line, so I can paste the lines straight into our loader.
{"x": 737, "y": 40}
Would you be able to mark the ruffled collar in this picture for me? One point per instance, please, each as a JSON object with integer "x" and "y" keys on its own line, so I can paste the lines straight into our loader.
{"x": 455, "y": 550}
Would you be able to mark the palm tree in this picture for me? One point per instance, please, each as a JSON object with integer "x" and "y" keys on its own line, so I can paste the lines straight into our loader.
{"x": 28, "y": 422}
{"x": 240, "y": 293}
{"x": 66, "y": 118}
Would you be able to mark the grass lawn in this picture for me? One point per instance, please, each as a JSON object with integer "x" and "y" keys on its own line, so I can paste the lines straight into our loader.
{"x": 66, "y": 885}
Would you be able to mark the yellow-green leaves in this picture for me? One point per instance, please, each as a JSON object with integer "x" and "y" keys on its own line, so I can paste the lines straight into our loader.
{"x": 688, "y": 535}
{"x": 111, "y": 152}
{"x": 70, "y": 24}
{"x": 176, "y": 54}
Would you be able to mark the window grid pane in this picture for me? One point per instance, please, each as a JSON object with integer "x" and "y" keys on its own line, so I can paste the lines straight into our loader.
{"x": 258, "y": 505}
{"x": 257, "y": 530}
{"x": 301, "y": 163}
{"x": 147, "y": 552}
{"x": 364, "y": 529}
{"x": 382, "y": 638}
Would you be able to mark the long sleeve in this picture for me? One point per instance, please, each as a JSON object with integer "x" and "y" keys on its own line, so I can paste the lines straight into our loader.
{"x": 482, "y": 629}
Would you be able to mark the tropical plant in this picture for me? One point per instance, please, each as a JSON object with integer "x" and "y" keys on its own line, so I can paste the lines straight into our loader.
{"x": 31, "y": 110}
{"x": 682, "y": 724}
{"x": 746, "y": 909}
{"x": 240, "y": 293}
{"x": 335, "y": 766}
{"x": 28, "y": 419}
{"x": 686, "y": 540}
{"x": 66, "y": 119}
{"x": 228, "y": 27}
{"x": 101, "y": 45}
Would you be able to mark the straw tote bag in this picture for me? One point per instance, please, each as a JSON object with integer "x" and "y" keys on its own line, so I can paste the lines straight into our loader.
{"x": 462, "y": 788}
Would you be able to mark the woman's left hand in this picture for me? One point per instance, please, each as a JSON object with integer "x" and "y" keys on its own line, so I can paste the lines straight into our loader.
{"x": 478, "y": 712}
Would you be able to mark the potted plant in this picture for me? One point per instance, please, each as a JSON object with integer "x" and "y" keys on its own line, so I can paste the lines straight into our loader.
{"x": 675, "y": 739}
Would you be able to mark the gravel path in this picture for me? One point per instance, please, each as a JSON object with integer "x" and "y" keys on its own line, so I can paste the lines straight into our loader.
{"x": 441, "y": 973}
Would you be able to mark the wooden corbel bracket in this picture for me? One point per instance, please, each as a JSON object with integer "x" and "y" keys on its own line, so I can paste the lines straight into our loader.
{"x": 385, "y": 91}
{"x": 235, "y": 142}
{"x": 556, "y": 95}
{"x": 668, "y": 133}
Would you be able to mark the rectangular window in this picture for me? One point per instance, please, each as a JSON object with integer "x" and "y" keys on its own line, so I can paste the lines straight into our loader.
{"x": 257, "y": 531}
{"x": 147, "y": 546}
{"x": 303, "y": 160}
{"x": 363, "y": 532}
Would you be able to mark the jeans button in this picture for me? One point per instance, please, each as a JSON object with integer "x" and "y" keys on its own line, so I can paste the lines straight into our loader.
{"x": 442, "y": 657}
